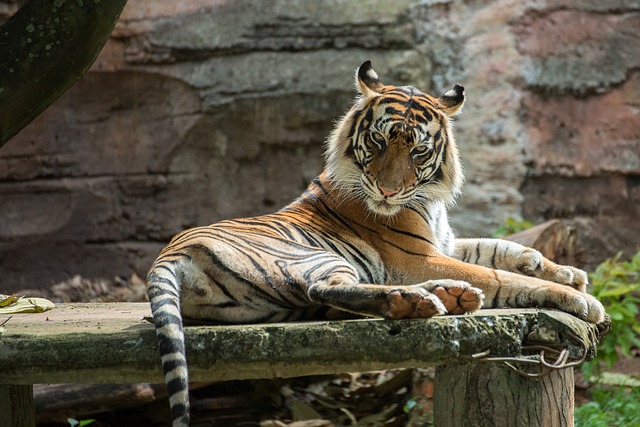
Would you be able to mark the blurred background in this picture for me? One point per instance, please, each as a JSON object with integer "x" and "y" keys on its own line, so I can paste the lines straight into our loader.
{"x": 201, "y": 110}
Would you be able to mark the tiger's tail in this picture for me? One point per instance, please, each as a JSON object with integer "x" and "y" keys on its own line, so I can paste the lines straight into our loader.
{"x": 163, "y": 290}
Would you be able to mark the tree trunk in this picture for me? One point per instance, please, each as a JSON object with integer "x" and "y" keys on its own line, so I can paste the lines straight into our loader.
{"x": 492, "y": 395}
{"x": 16, "y": 406}
{"x": 44, "y": 49}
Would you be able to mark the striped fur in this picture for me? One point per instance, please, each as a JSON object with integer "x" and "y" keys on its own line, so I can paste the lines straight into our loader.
{"x": 369, "y": 236}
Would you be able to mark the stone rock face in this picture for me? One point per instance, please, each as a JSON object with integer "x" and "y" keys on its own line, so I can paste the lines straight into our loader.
{"x": 208, "y": 109}
{"x": 582, "y": 123}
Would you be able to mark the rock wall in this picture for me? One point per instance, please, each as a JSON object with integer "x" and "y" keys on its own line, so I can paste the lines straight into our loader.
{"x": 201, "y": 110}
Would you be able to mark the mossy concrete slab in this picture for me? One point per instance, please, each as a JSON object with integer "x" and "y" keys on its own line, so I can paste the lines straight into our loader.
{"x": 113, "y": 343}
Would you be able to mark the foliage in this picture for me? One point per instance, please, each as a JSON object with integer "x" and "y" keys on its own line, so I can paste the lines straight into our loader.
{"x": 75, "y": 423}
{"x": 618, "y": 407}
{"x": 511, "y": 226}
{"x": 617, "y": 285}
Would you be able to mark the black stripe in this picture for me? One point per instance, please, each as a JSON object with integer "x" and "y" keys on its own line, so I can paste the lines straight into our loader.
{"x": 338, "y": 218}
{"x": 220, "y": 286}
{"x": 180, "y": 411}
{"x": 426, "y": 255}
{"x": 318, "y": 183}
{"x": 158, "y": 279}
{"x": 170, "y": 365}
{"x": 465, "y": 254}
{"x": 407, "y": 233}
{"x": 394, "y": 111}
{"x": 168, "y": 345}
{"x": 493, "y": 256}
{"x": 159, "y": 266}
{"x": 176, "y": 385}
{"x": 226, "y": 304}
{"x": 163, "y": 318}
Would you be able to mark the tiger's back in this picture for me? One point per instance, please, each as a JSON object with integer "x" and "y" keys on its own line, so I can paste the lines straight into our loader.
{"x": 369, "y": 236}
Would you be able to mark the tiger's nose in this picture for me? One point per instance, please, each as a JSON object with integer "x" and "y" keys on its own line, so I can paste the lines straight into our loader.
{"x": 387, "y": 192}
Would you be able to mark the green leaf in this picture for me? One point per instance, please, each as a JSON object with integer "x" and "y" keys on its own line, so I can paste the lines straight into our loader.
{"x": 616, "y": 284}
{"x": 616, "y": 315}
{"x": 618, "y": 291}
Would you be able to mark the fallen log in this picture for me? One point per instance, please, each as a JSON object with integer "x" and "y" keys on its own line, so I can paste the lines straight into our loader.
{"x": 554, "y": 239}
{"x": 57, "y": 402}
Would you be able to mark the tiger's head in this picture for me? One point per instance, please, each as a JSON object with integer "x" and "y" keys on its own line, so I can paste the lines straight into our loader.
{"x": 395, "y": 147}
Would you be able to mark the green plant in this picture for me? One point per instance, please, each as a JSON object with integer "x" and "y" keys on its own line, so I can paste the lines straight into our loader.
{"x": 618, "y": 407}
{"x": 617, "y": 285}
{"x": 75, "y": 423}
{"x": 511, "y": 226}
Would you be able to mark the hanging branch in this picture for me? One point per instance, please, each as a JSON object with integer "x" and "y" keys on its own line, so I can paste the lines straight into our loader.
{"x": 45, "y": 47}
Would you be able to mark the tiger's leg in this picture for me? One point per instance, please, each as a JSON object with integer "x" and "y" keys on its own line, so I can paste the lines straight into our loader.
{"x": 504, "y": 289}
{"x": 510, "y": 256}
{"x": 431, "y": 298}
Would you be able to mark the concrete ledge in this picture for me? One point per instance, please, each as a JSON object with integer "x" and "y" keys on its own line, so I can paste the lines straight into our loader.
{"x": 112, "y": 343}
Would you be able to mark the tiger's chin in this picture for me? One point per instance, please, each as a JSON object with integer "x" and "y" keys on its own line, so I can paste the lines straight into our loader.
{"x": 383, "y": 207}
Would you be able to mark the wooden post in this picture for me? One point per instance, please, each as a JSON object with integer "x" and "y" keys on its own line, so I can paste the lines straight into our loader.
{"x": 493, "y": 395}
{"x": 16, "y": 406}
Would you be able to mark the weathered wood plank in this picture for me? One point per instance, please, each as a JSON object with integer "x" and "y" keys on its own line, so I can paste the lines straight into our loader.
{"x": 112, "y": 343}
{"x": 492, "y": 395}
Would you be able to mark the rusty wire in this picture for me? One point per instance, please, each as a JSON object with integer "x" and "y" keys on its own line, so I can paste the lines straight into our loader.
{"x": 561, "y": 358}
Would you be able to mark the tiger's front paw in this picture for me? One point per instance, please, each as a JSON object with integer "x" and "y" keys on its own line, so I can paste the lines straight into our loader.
{"x": 586, "y": 307}
{"x": 532, "y": 263}
{"x": 458, "y": 297}
{"x": 413, "y": 302}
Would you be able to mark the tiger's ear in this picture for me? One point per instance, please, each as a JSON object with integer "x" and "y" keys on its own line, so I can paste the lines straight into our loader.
{"x": 453, "y": 99}
{"x": 367, "y": 80}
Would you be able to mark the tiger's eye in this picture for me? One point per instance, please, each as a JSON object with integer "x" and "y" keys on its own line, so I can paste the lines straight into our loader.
{"x": 378, "y": 139}
{"x": 420, "y": 150}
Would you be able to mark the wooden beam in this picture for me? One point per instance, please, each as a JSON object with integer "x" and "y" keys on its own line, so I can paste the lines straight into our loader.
{"x": 113, "y": 343}
{"x": 16, "y": 406}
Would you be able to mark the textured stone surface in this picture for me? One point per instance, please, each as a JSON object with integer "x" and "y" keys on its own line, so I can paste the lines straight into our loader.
{"x": 208, "y": 109}
{"x": 581, "y": 121}
{"x": 112, "y": 343}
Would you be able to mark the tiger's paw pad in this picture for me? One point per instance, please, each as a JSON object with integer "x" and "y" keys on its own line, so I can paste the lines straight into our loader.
{"x": 460, "y": 298}
{"x": 405, "y": 304}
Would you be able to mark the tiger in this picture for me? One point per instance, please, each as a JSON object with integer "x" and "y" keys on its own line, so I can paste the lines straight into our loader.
{"x": 370, "y": 237}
